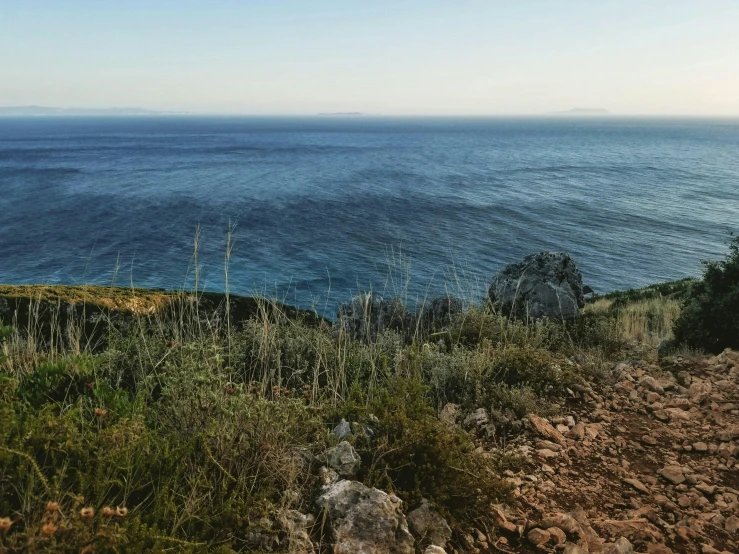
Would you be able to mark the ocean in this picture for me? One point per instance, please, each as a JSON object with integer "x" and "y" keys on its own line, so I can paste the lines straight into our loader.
{"x": 323, "y": 207}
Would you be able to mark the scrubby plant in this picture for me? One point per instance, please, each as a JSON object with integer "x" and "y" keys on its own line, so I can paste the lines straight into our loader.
{"x": 675, "y": 290}
{"x": 710, "y": 316}
{"x": 203, "y": 430}
{"x": 410, "y": 451}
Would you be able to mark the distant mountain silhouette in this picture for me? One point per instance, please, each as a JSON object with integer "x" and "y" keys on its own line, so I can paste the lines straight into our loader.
{"x": 45, "y": 111}
{"x": 583, "y": 111}
{"x": 342, "y": 113}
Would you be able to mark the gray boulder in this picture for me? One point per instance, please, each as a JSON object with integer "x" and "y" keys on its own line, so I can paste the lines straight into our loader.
{"x": 343, "y": 459}
{"x": 547, "y": 284}
{"x": 343, "y": 429}
{"x": 428, "y": 525}
{"x": 364, "y": 520}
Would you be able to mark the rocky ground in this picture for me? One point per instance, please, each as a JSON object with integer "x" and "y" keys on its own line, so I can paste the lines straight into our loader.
{"x": 648, "y": 465}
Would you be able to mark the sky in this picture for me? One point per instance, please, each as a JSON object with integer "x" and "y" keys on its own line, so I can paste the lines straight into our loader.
{"x": 397, "y": 57}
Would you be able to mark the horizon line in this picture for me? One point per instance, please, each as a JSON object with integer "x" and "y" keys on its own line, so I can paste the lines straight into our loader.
{"x": 355, "y": 115}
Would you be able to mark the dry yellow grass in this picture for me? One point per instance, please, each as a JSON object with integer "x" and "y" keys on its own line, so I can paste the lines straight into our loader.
{"x": 645, "y": 321}
{"x": 599, "y": 306}
{"x": 649, "y": 321}
{"x": 134, "y": 301}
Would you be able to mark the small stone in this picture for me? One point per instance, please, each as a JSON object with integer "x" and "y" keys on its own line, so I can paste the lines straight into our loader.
{"x": 638, "y": 485}
{"x": 343, "y": 429}
{"x": 426, "y": 522}
{"x": 478, "y": 418}
{"x": 545, "y": 429}
{"x": 621, "y": 546}
{"x": 732, "y": 524}
{"x": 706, "y": 489}
{"x": 348, "y": 505}
{"x": 653, "y": 397}
{"x": 558, "y": 536}
{"x": 538, "y": 536}
{"x": 578, "y": 431}
{"x": 674, "y": 474}
{"x": 546, "y": 454}
{"x": 700, "y": 447}
{"x": 344, "y": 459}
{"x": 651, "y": 383}
{"x": 649, "y": 440}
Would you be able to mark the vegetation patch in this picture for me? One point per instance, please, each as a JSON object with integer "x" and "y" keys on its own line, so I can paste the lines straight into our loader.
{"x": 197, "y": 427}
{"x": 710, "y": 315}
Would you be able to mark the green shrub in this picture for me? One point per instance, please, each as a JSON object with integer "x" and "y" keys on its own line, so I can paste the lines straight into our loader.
{"x": 415, "y": 454}
{"x": 710, "y": 316}
{"x": 545, "y": 373}
{"x": 517, "y": 401}
{"x": 588, "y": 331}
{"x": 5, "y": 331}
{"x": 63, "y": 380}
{"x": 677, "y": 290}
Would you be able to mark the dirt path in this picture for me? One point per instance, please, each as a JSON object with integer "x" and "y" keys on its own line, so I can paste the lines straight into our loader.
{"x": 647, "y": 466}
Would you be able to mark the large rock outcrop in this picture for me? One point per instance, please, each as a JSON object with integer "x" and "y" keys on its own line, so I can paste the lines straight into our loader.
{"x": 547, "y": 284}
{"x": 364, "y": 520}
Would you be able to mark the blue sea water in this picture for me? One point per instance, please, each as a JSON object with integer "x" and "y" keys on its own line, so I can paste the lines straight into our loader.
{"x": 322, "y": 206}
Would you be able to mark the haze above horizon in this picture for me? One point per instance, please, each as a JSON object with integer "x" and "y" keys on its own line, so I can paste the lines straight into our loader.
{"x": 392, "y": 58}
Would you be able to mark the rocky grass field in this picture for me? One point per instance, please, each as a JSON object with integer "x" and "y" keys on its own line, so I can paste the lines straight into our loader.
{"x": 537, "y": 421}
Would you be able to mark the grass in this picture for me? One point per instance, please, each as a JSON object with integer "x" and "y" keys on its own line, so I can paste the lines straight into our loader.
{"x": 133, "y": 301}
{"x": 646, "y": 320}
{"x": 189, "y": 431}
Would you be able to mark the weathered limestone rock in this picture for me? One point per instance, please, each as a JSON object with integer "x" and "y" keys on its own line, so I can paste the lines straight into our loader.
{"x": 538, "y": 536}
{"x": 674, "y": 474}
{"x": 477, "y": 418}
{"x": 426, "y": 523}
{"x": 344, "y": 459}
{"x": 621, "y": 546}
{"x": 343, "y": 429}
{"x": 547, "y": 284}
{"x": 363, "y": 520}
{"x": 544, "y": 428}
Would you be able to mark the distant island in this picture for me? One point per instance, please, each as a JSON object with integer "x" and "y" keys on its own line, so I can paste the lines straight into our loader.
{"x": 341, "y": 114}
{"x": 583, "y": 111}
{"x": 51, "y": 111}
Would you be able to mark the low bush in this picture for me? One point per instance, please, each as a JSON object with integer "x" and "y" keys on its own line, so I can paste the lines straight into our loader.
{"x": 200, "y": 430}
{"x": 710, "y": 315}
{"x": 418, "y": 456}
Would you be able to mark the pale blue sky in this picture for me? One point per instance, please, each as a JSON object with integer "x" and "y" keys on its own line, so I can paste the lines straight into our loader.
{"x": 388, "y": 57}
